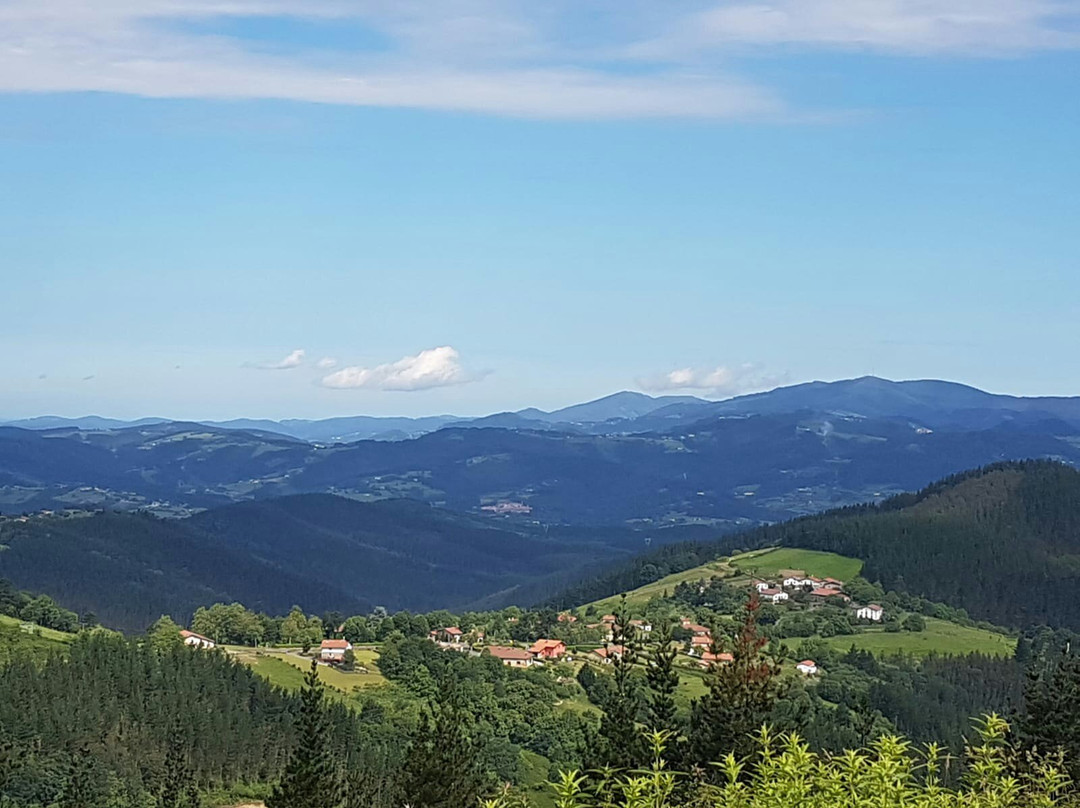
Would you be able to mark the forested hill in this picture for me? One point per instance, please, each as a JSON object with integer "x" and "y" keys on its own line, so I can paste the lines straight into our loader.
{"x": 315, "y": 550}
{"x": 1002, "y": 542}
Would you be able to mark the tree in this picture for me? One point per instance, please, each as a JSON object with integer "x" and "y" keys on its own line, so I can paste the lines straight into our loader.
{"x": 348, "y": 660}
{"x": 310, "y": 779}
{"x": 663, "y": 681}
{"x": 442, "y": 766}
{"x": 178, "y": 774}
{"x": 620, "y": 743}
{"x": 740, "y": 696}
{"x": 164, "y": 634}
{"x": 914, "y": 622}
{"x": 1052, "y": 699}
{"x": 80, "y": 790}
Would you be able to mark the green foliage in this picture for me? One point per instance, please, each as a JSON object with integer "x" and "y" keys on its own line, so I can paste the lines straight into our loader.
{"x": 311, "y": 778}
{"x": 442, "y": 769}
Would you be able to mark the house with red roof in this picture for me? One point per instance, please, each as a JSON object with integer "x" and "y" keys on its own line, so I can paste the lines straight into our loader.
{"x": 709, "y": 658}
{"x": 609, "y": 653}
{"x": 824, "y": 595}
{"x": 511, "y": 657}
{"x": 333, "y": 651}
{"x": 196, "y": 640}
{"x": 548, "y": 649}
{"x": 807, "y": 667}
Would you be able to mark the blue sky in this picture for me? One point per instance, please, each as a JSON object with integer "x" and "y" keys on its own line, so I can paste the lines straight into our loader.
{"x": 271, "y": 208}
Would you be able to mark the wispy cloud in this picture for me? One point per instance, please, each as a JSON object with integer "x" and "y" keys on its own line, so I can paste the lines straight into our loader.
{"x": 326, "y": 363}
{"x": 584, "y": 59}
{"x": 435, "y": 367}
{"x": 293, "y": 360}
{"x": 718, "y": 381}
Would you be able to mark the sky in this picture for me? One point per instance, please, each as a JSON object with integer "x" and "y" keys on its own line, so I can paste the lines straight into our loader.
{"x": 286, "y": 208}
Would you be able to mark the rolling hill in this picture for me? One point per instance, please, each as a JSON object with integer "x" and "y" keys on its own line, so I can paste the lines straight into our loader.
{"x": 319, "y": 551}
{"x": 1002, "y": 542}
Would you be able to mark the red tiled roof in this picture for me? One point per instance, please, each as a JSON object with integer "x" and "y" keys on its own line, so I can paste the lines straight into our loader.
{"x": 809, "y": 663}
{"x": 185, "y": 634}
{"x": 505, "y": 652}
{"x": 701, "y": 640}
{"x": 335, "y": 644}
{"x": 825, "y": 593}
{"x": 613, "y": 650}
{"x": 770, "y": 592}
{"x": 709, "y": 656}
{"x": 543, "y": 645}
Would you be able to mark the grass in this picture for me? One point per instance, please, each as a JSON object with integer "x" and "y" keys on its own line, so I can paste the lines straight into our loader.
{"x": 823, "y": 565}
{"x": 287, "y": 670}
{"x": 37, "y": 643}
{"x": 643, "y": 594}
{"x": 941, "y": 637}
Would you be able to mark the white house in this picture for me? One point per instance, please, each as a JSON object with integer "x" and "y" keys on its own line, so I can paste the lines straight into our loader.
{"x": 334, "y": 650}
{"x": 773, "y": 595}
{"x": 761, "y": 586}
{"x": 871, "y": 612}
{"x": 196, "y": 640}
{"x": 807, "y": 666}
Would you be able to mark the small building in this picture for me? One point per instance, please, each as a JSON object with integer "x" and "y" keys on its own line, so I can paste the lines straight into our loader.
{"x": 511, "y": 657}
{"x": 566, "y": 617}
{"x": 196, "y": 640}
{"x": 761, "y": 586}
{"x": 773, "y": 595}
{"x": 334, "y": 650}
{"x": 824, "y": 595}
{"x": 699, "y": 645}
{"x": 642, "y": 626}
{"x": 610, "y": 653}
{"x": 548, "y": 649}
{"x": 871, "y": 612}
{"x": 608, "y": 618}
{"x": 807, "y": 667}
{"x": 709, "y": 658}
{"x": 697, "y": 629}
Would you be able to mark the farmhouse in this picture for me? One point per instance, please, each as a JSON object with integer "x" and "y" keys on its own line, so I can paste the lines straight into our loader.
{"x": 807, "y": 667}
{"x": 641, "y": 626}
{"x": 825, "y": 595}
{"x": 609, "y": 653}
{"x": 196, "y": 640}
{"x": 696, "y": 629}
{"x": 334, "y": 650}
{"x": 548, "y": 649}
{"x": 871, "y": 612}
{"x": 709, "y": 658}
{"x": 773, "y": 595}
{"x": 450, "y": 634}
{"x": 511, "y": 657}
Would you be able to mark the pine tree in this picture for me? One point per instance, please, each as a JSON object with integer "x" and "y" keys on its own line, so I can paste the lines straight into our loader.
{"x": 740, "y": 696}
{"x": 621, "y": 744}
{"x": 80, "y": 790}
{"x": 1052, "y": 722}
{"x": 663, "y": 682}
{"x": 310, "y": 779}
{"x": 177, "y": 773}
{"x": 442, "y": 767}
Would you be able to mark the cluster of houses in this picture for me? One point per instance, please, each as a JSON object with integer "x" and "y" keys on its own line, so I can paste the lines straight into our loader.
{"x": 819, "y": 591}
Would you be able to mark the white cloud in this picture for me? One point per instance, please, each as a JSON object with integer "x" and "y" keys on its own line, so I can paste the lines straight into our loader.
{"x": 293, "y": 360}
{"x": 910, "y": 27}
{"x": 326, "y": 363}
{"x": 435, "y": 367}
{"x": 561, "y": 59}
{"x": 719, "y": 381}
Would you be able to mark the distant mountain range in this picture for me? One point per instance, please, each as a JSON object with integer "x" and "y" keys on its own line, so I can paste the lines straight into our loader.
{"x": 627, "y": 458}
{"x": 935, "y": 403}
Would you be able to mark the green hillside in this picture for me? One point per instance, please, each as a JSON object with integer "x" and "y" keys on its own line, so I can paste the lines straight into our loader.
{"x": 19, "y": 639}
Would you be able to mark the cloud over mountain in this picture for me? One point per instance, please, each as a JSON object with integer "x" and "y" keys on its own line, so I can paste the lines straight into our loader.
{"x": 719, "y": 381}
{"x": 435, "y": 367}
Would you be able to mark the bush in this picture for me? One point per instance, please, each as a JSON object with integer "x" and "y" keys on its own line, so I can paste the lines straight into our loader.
{"x": 785, "y": 773}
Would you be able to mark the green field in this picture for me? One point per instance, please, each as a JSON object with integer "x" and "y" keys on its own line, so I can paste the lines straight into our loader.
{"x": 824, "y": 565}
{"x": 940, "y": 637}
{"x": 39, "y": 642}
{"x": 643, "y": 594}
{"x": 287, "y": 670}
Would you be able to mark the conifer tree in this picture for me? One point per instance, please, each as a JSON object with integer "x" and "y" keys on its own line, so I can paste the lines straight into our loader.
{"x": 663, "y": 682}
{"x": 442, "y": 767}
{"x": 79, "y": 790}
{"x": 310, "y": 779}
{"x": 177, "y": 773}
{"x": 740, "y": 696}
{"x": 621, "y": 744}
{"x": 1052, "y": 699}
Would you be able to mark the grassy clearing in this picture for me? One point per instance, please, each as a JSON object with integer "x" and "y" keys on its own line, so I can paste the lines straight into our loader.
{"x": 37, "y": 643}
{"x": 287, "y": 670}
{"x": 643, "y": 594}
{"x": 940, "y": 637}
{"x": 824, "y": 565}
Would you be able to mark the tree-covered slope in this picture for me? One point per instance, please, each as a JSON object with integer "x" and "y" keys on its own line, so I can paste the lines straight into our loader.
{"x": 1002, "y": 542}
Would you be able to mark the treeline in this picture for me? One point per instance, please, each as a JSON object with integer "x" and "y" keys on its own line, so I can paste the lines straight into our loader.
{"x": 40, "y": 609}
{"x": 999, "y": 542}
